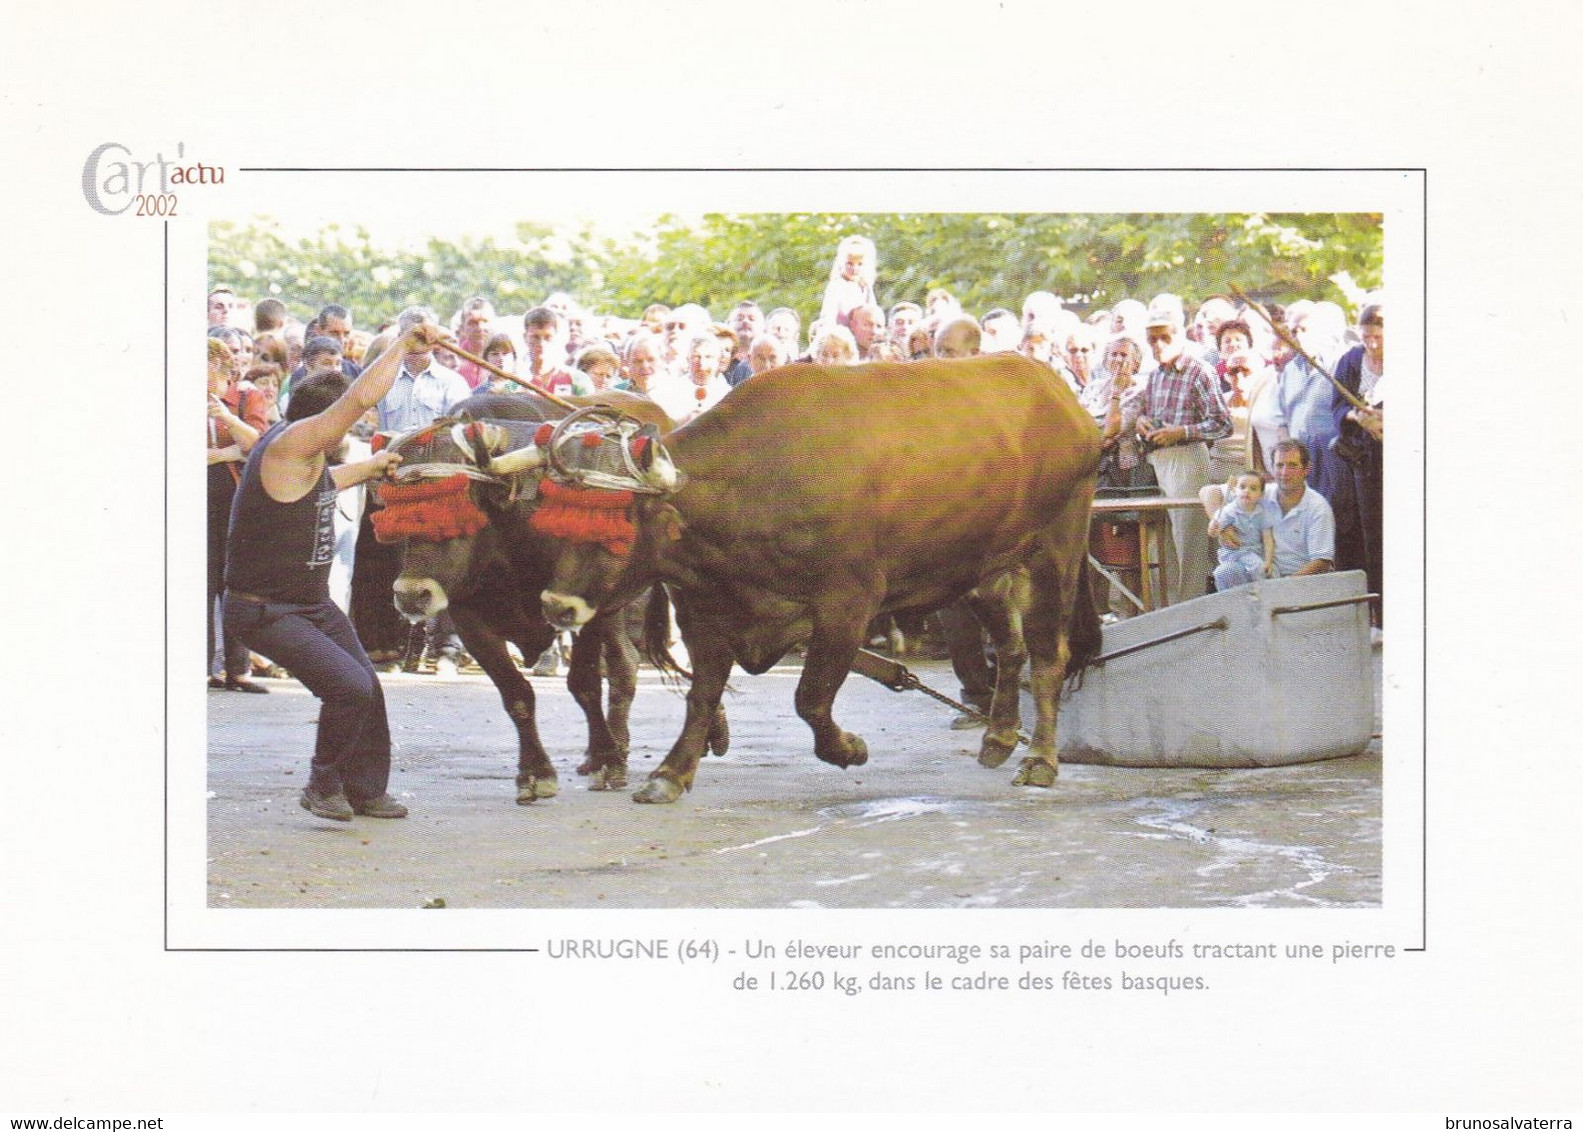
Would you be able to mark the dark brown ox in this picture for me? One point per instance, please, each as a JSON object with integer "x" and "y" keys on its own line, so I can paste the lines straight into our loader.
{"x": 489, "y": 579}
{"x": 816, "y": 498}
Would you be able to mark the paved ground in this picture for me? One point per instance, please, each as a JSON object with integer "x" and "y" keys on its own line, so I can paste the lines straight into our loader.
{"x": 922, "y": 825}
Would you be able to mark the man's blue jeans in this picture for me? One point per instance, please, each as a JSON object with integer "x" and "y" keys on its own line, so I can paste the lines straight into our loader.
{"x": 317, "y": 644}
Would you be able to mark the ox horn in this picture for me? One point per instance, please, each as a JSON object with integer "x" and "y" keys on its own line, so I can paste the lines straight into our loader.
{"x": 521, "y": 460}
{"x": 482, "y": 443}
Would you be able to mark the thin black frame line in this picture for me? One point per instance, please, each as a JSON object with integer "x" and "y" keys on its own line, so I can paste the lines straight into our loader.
{"x": 819, "y": 169}
{"x": 1423, "y": 762}
{"x": 165, "y": 612}
{"x": 1424, "y": 698}
{"x": 363, "y": 950}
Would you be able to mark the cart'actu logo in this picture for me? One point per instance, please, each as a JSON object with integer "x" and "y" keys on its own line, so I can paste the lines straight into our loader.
{"x": 113, "y": 180}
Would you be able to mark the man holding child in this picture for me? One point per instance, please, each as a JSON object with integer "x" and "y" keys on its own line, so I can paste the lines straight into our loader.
{"x": 1304, "y": 527}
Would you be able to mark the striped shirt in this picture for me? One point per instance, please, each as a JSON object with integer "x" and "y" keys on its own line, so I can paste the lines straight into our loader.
{"x": 1184, "y": 393}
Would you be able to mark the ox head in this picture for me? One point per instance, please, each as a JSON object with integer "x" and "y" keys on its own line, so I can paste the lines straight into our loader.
{"x": 607, "y": 552}
{"x": 602, "y": 506}
{"x": 452, "y": 480}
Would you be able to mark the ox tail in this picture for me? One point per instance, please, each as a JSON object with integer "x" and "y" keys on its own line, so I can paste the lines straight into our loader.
{"x": 657, "y": 635}
{"x": 1084, "y": 636}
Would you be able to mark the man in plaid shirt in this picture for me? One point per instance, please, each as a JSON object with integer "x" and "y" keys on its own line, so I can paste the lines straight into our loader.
{"x": 1182, "y": 412}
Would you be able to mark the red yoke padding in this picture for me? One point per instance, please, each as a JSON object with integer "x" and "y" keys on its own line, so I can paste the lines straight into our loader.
{"x": 581, "y": 514}
{"x": 429, "y": 511}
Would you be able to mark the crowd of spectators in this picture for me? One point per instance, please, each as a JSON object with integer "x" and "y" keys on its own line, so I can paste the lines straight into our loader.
{"x": 1186, "y": 403}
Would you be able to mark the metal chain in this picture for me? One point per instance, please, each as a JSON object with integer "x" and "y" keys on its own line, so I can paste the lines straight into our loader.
{"x": 910, "y": 682}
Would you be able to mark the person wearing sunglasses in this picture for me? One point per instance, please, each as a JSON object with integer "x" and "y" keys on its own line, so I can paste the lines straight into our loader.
{"x": 1183, "y": 412}
{"x": 1081, "y": 348}
{"x": 682, "y": 325}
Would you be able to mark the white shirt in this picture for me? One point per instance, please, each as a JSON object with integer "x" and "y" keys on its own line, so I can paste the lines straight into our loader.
{"x": 1303, "y": 534}
{"x": 679, "y": 398}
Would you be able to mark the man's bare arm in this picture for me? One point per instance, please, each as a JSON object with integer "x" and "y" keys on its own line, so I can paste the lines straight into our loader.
{"x": 311, "y": 436}
{"x": 348, "y": 475}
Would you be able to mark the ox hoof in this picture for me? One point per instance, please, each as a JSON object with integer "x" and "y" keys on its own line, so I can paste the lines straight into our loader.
{"x": 719, "y": 734}
{"x": 612, "y": 777}
{"x": 849, "y": 751}
{"x": 658, "y": 790}
{"x": 595, "y": 759}
{"x": 532, "y": 789}
{"x": 996, "y": 749}
{"x": 1035, "y": 772}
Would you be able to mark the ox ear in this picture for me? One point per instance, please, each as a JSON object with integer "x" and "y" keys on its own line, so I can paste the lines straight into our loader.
{"x": 653, "y": 461}
{"x": 642, "y": 446}
{"x": 478, "y": 441}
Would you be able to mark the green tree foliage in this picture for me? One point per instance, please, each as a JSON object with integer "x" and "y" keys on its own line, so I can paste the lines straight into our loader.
{"x": 783, "y": 259}
{"x": 376, "y": 284}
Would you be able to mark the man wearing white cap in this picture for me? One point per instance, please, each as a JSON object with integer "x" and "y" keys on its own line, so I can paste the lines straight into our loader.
{"x": 1182, "y": 412}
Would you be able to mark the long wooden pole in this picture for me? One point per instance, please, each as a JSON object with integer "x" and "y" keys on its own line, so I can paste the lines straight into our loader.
{"x": 1285, "y": 336}
{"x": 498, "y": 372}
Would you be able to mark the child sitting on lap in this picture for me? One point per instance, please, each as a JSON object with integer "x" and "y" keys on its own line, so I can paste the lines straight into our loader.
{"x": 1253, "y": 518}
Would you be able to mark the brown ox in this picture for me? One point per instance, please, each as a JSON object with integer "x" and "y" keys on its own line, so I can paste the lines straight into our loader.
{"x": 488, "y": 573}
{"x": 816, "y": 498}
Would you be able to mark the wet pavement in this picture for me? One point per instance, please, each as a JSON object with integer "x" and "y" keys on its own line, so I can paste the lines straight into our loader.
{"x": 922, "y": 825}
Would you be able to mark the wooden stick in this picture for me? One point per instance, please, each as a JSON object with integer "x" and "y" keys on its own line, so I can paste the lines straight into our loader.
{"x": 498, "y": 372}
{"x": 1285, "y": 336}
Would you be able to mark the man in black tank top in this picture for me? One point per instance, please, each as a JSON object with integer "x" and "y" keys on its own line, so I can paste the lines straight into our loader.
{"x": 277, "y": 600}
